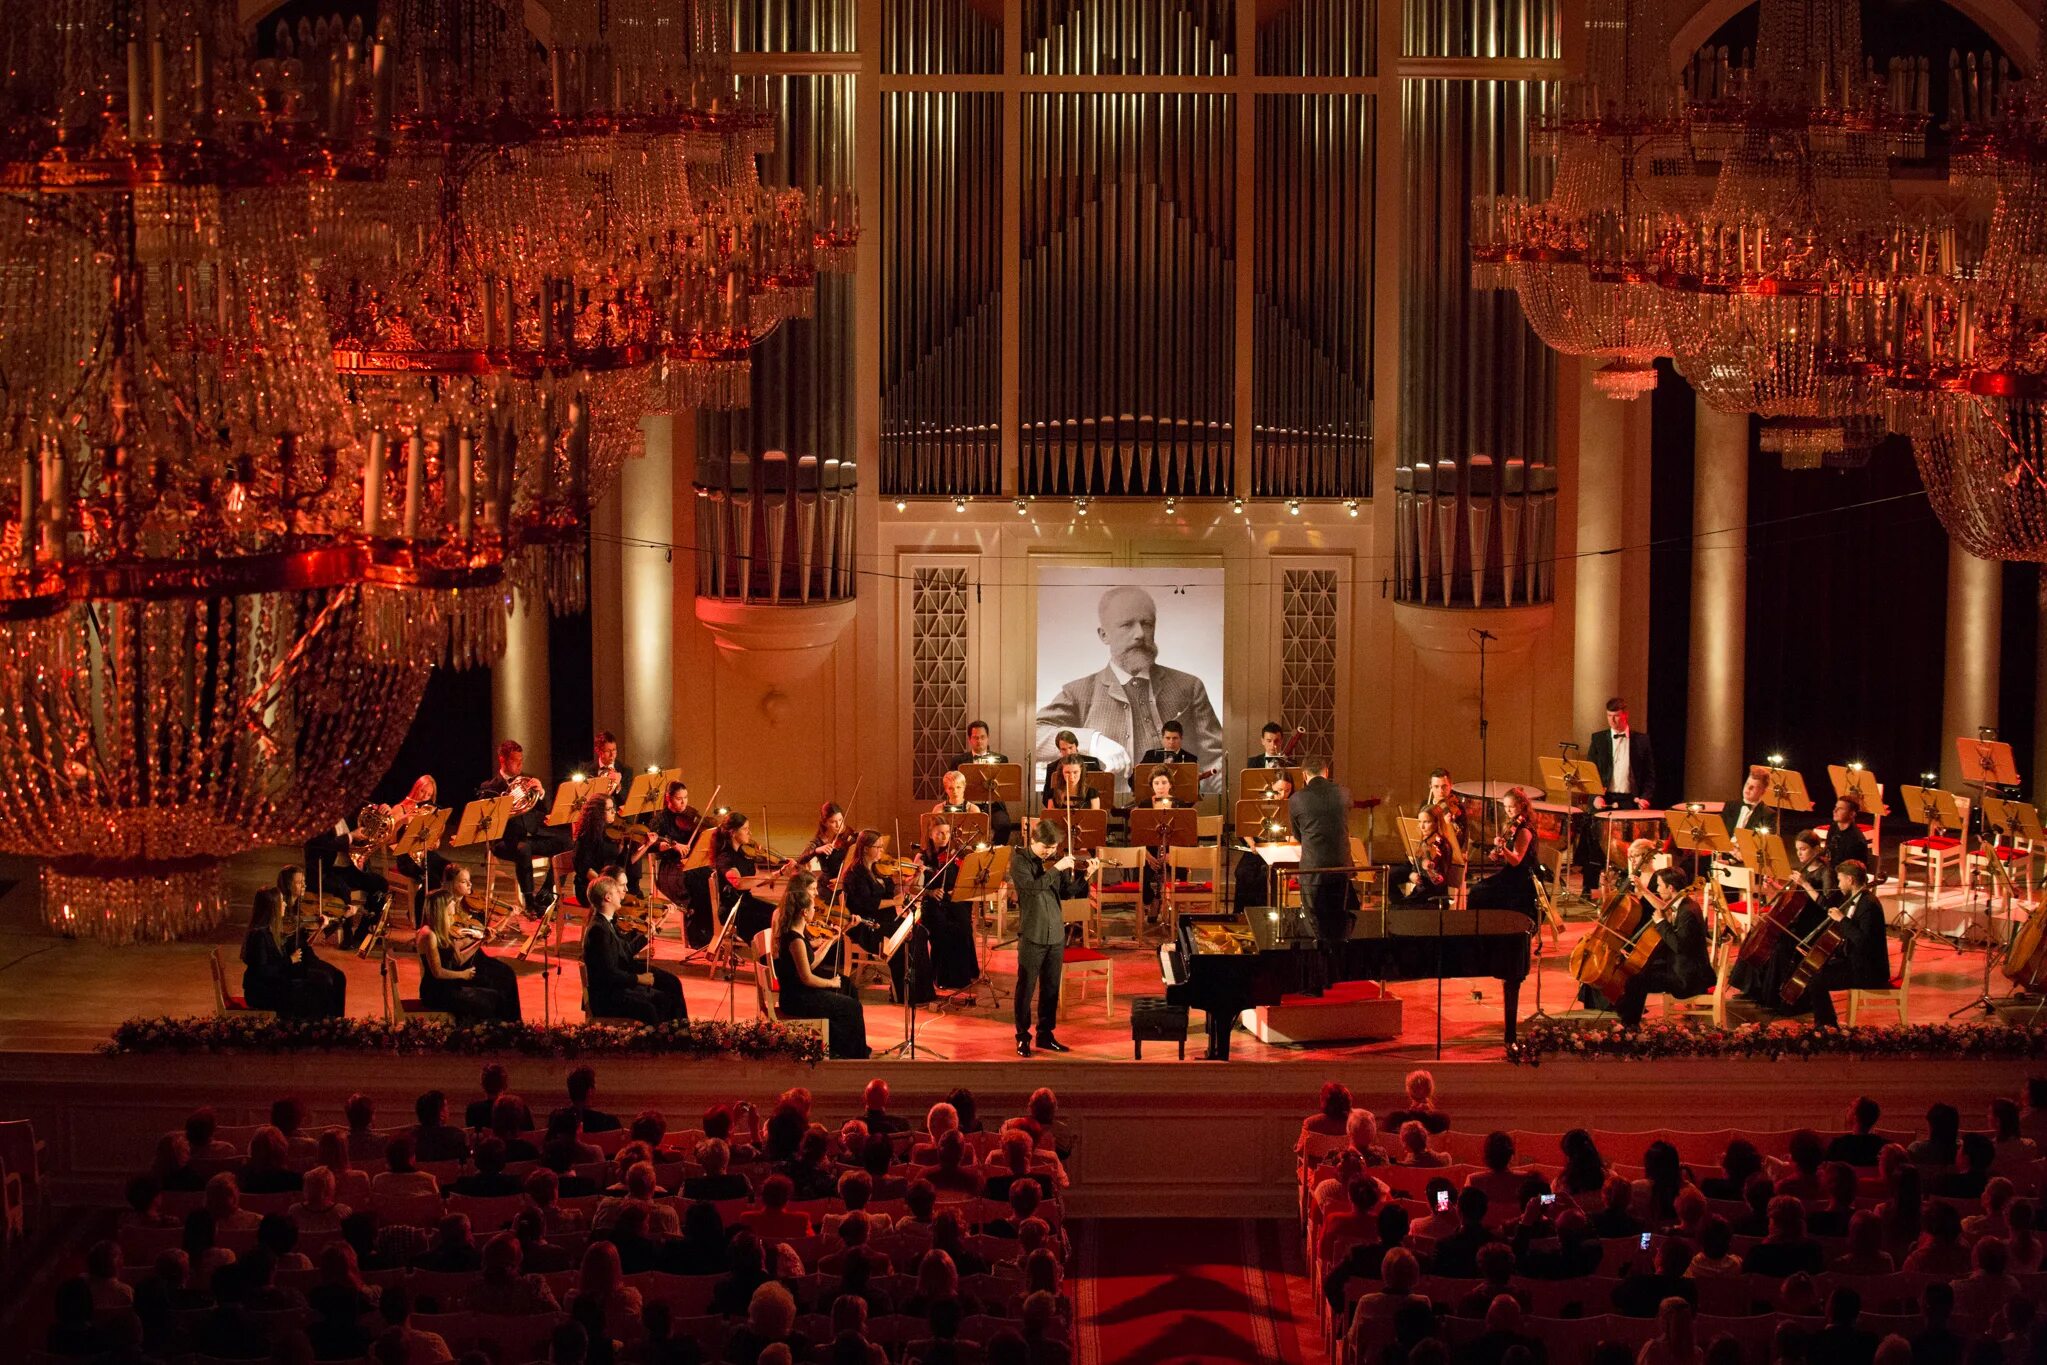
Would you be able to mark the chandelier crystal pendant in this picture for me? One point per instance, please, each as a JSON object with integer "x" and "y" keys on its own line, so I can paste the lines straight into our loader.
{"x": 1780, "y": 292}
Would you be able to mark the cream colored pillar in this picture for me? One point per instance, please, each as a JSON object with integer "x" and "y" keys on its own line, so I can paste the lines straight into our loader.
{"x": 520, "y": 695}
{"x": 607, "y": 626}
{"x": 1975, "y": 610}
{"x": 1611, "y": 631}
{"x": 647, "y": 593}
{"x": 1718, "y": 669}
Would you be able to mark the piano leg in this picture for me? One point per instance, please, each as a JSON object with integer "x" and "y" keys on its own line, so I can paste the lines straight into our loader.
{"x": 1511, "y": 991}
{"x": 1220, "y": 1025}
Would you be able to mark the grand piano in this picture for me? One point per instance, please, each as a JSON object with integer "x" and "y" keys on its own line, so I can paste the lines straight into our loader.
{"x": 1227, "y": 963}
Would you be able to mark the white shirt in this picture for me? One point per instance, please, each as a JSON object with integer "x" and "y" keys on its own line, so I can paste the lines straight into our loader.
{"x": 1122, "y": 678}
{"x": 1747, "y": 812}
{"x": 1623, "y": 771}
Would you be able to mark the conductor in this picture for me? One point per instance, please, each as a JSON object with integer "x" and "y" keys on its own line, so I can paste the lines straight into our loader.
{"x": 1320, "y": 812}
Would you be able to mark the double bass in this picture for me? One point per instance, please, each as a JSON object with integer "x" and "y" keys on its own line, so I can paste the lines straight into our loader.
{"x": 1617, "y": 946}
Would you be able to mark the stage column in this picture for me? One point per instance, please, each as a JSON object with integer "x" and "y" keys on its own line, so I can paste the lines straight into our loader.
{"x": 1713, "y": 739}
{"x": 1611, "y": 630}
{"x": 520, "y": 696}
{"x": 1975, "y": 608}
{"x": 647, "y": 573}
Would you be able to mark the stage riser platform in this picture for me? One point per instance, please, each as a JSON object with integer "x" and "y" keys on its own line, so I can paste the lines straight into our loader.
{"x": 1228, "y": 1127}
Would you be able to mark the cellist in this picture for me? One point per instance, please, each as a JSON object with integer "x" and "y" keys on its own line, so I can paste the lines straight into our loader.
{"x": 1863, "y": 961}
{"x": 1680, "y": 965}
{"x": 1800, "y": 906}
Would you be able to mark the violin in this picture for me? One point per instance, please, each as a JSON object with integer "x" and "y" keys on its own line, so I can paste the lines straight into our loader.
{"x": 1433, "y": 855}
{"x": 1509, "y": 835}
{"x": 1617, "y": 946}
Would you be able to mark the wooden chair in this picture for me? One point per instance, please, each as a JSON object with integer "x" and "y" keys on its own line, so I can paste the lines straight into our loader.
{"x": 1115, "y": 882}
{"x": 766, "y": 988}
{"x": 397, "y": 1009}
{"x": 225, "y": 1002}
{"x": 1081, "y": 913}
{"x": 1193, "y": 881}
{"x": 1085, "y": 961}
{"x": 1899, "y": 991}
{"x": 1713, "y": 1003}
{"x": 1208, "y": 827}
{"x": 1933, "y": 855}
{"x": 584, "y": 1002}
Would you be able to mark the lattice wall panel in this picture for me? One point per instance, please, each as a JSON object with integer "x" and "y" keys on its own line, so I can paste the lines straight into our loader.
{"x": 1307, "y": 657}
{"x": 938, "y": 673}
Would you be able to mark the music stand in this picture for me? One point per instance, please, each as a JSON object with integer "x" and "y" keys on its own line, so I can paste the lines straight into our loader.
{"x": 1567, "y": 781}
{"x": 1087, "y": 828}
{"x": 1160, "y": 828}
{"x": 984, "y": 876}
{"x": 1278, "y": 856}
{"x": 992, "y": 783}
{"x": 569, "y": 799}
{"x": 1698, "y": 832}
{"x": 483, "y": 822}
{"x": 1787, "y": 790}
{"x": 1253, "y": 783}
{"x": 969, "y": 827}
{"x": 1986, "y": 764}
{"x": 1854, "y": 780}
{"x": 1934, "y": 810}
{"x": 649, "y": 791}
{"x": 1100, "y": 785}
{"x": 1186, "y": 779}
{"x": 1267, "y": 821}
{"x": 422, "y": 833}
{"x": 1764, "y": 855}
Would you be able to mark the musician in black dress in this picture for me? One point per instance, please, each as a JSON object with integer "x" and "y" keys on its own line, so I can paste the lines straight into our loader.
{"x": 1511, "y": 884}
{"x": 675, "y": 837}
{"x": 1156, "y": 858}
{"x": 871, "y": 898}
{"x": 526, "y": 837}
{"x": 1001, "y": 829}
{"x": 806, "y": 989}
{"x": 618, "y": 985}
{"x": 1068, "y": 789}
{"x": 1254, "y": 876}
{"x": 330, "y": 869}
{"x": 427, "y": 873}
{"x": 738, "y": 861}
{"x": 280, "y": 971}
{"x": 1846, "y": 843}
{"x": 1764, "y": 982}
{"x": 1679, "y": 965}
{"x": 455, "y": 974}
{"x": 1863, "y": 960}
{"x": 826, "y": 852}
{"x": 955, "y": 958}
{"x": 599, "y": 846}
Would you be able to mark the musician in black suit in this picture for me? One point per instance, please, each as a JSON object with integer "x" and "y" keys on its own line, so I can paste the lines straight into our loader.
{"x": 605, "y": 763}
{"x": 525, "y": 837}
{"x": 1000, "y": 828}
{"x": 1271, "y": 748}
{"x": 1863, "y": 961}
{"x": 1846, "y": 843}
{"x": 1627, "y": 769}
{"x": 333, "y": 873}
{"x": 1320, "y": 812}
{"x": 1169, "y": 750}
{"x": 1679, "y": 964}
{"x": 1749, "y": 812}
{"x": 617, "y": 985}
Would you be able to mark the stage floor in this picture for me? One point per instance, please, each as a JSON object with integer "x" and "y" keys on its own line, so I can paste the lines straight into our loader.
{"x": 67, "y": 995}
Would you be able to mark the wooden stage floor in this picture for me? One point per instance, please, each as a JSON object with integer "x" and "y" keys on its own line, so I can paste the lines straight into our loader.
{"x": 66, "y": 996}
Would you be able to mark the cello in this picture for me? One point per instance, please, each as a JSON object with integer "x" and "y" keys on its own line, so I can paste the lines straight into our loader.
{"x": 1774, "y": 923}
{"x": 2025, "y": 965}
{"x": 1617, "y": 946}
{"x": 1812, "y": 953}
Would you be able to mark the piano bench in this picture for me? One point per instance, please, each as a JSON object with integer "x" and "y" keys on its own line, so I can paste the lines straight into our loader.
{"x": 1152, "y": 1020}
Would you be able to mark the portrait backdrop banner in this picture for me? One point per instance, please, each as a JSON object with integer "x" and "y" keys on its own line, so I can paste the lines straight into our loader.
{"x": 1123, "y": 651}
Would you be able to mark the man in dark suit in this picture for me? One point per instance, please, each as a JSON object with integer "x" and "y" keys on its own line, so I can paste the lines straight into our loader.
{"x": 1040, "y": 885}
{"x": 1679, "y": 965}
{"x": 1627, "y": 769}
{"x": 999, "y": 826}
{"x": 1863, "y": 962}
{"x": 1749, "y": 812}
{"x": 1171, "y": 747}
{"x": 617, "y": 986}
{"x": 605, "y": 763}
{"x": 1271, "y": 748}
{"x": 1321, "y": 813}
{"x": 525, "y": 838}
{"x": 1133, "y": 696}
{"x": 1066, "y": 745}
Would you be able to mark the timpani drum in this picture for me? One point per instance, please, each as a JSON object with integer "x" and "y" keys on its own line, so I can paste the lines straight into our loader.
{"x": 1619, "y": 828}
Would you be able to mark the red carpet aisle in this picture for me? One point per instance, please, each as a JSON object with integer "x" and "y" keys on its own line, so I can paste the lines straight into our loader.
{"x": 1182, "y": 1291}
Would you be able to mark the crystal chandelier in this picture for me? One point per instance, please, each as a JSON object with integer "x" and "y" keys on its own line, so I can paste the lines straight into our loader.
{"x": 1581, "y": 259}
{"x": 1778, "y": 293}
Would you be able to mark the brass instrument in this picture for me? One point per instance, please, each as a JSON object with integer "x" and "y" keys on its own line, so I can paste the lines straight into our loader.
{"x": 374, "y": 825}
{"x": 525, "y": 793}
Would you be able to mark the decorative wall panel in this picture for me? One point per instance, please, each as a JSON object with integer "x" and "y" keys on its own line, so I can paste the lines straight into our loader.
{"x": 1311, "y": 372}
{"x": 1307, "y": 657}
{"x": 1130, "y": 37}
{"x": 1128, "y": 294}
{"x": 941, "y": 37}
{"x": 938, "y": 673}
{"x": 941, "y": 294}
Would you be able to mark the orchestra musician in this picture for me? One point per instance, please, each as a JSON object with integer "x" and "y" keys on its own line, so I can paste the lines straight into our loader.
{"x": 1320, "y": 811}
{"x": 607, "y": 769}
{"x": 806, "y": 989}
{"x": 1846, "y": 843}
{"x": 675, "y": 834}
{"x": 1763, "y": 983}
{"x": 525, "y": 837}
{"x": 870, "y": 898}
{"x": 1040, "y": 882}
{"x": 955, "y": 800}
{"x": 1271, "y": 748}
{"x": 955, "y": 958}
{"x": 1070, "y": 791}
{"x": 825, "y": 854}
{"x": 1069, "y": 747}
{"x": 1159, "y": 798}
{"x": 329, "y": 867}
{"x": 1627, "y": 769}
{"x": 1863, "y": 961}
{"x": 1435, "y": 871}
{"x": 1511, "y": 884}
{"x": 420, "y": 797}
{"x": 1679, "y": 964}
{"x": 617, "y": 983}
{"x": 738, "y": 861}
{"x": 1749, "y": 812}
{"x": 1254, "y": 880}
{"x": 1001, "y": 830}
{"x": 1169, "y": 750}
{"x": 599, "y": 847}
{"x": 455, "y": 973}
{"x": 280, "y": 970}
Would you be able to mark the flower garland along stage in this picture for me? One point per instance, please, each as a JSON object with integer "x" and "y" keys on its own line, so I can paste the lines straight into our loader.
{"x": 752, "y": 1040}
{"x": 1766, "y": 1042}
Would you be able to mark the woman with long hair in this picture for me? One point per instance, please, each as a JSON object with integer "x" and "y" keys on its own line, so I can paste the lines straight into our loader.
{"x": 598, "y": 852}
{"x": 455, "y": 974}
{"x": 825, "y": 854}
{"x": 735, "y": 861}
{"x": 871, "y": 897}
{"x": 955, "y": 959}
{"x": 806, "y": 991}
{"x": 280, "y": 971}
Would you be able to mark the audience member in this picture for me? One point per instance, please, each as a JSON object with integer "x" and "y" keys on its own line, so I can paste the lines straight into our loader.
{"x": 433, "y": 1138}
{"x": 714, "y": 1158}
{"x": 1643, "y": 1294}
{"x": 1860, "y": 1145}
